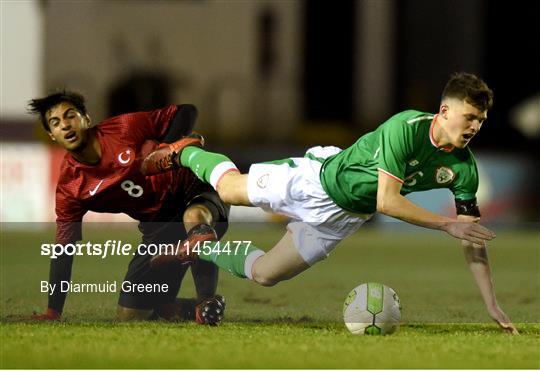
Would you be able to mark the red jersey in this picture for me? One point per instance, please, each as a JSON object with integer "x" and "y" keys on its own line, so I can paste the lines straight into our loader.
{"x": 115, "y": 184}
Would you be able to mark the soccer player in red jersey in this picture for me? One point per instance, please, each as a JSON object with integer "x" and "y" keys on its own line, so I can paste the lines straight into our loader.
{"x": 100, "y": 173}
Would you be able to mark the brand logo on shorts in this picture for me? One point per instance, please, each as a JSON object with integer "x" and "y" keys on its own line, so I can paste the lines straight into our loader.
{"x": 262, "y": 182}
{"x": 444, "y": 175}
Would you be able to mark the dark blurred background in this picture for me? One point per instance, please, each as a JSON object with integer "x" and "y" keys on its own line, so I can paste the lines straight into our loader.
{"x": 271, "y": 78}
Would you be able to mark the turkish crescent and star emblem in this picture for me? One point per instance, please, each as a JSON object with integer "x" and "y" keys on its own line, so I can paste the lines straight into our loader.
{"x": 125, "y": 157}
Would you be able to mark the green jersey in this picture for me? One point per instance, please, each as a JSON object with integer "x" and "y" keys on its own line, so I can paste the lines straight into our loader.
{"x": 403, "y": 147}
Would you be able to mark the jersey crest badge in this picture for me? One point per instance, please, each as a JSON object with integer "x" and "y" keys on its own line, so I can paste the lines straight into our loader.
{"x": 444, "y": 175}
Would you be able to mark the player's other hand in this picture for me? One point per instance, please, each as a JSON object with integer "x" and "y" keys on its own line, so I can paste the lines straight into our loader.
{"x": 470, "y": 231}
{"x": 502, "y": 320}
{"x": 49, "y": 314}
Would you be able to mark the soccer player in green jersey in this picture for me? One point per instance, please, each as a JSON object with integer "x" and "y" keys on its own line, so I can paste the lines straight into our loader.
{"x": 329, "y": 193}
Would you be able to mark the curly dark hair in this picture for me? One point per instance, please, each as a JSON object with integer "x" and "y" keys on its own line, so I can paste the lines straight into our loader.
{"x": 40, "y": 106}
{"x": 470, "y": 88}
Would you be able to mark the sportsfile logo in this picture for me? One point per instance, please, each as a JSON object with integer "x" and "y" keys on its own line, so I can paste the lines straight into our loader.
{"x": 119, "y": 248}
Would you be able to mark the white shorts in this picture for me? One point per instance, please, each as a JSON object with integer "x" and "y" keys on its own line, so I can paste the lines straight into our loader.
{"x": 292, "y": 187}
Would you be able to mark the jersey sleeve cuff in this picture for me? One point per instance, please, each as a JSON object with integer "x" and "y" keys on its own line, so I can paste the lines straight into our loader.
{"x": 463, "y": 197}
{"x": 391, "y": 175}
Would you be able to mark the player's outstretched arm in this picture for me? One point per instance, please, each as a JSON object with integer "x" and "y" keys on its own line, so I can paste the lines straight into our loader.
{"x": 392, "y": 203}
{"x": 477, "y": 258}
{"x": 60, "y": 270}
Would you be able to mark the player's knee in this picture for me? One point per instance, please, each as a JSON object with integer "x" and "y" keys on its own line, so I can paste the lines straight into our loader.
{"x": 124, "y": 314}
{"x": 265, "y": 280}
{"x": 197, "y": 214}
{"x": 232, "y": 189}
{"x": 226, "y": 194}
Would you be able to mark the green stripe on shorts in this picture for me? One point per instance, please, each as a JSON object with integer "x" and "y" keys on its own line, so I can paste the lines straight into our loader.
{"x": 309, "y": 155}
{"x": 288, "y": 161}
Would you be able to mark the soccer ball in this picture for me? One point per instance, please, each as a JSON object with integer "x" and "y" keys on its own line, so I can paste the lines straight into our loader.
{"x": 372, "y": 309}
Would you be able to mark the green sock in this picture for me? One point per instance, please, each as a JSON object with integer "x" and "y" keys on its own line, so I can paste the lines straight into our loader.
{"x": 231, "y": 256}
{"x": 207, "y": 166}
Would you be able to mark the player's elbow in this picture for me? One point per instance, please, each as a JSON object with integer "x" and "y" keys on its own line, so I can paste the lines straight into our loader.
{"x": 387, "y": 204}
{"x": 383, "y": 206}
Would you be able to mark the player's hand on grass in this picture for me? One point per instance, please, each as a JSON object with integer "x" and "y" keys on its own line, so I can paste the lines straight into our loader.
{"x": 508, "y": 327}
{"x": 470, "y": 231}
{"x": 502, "y": 320}
{"x": 49, "y": 314}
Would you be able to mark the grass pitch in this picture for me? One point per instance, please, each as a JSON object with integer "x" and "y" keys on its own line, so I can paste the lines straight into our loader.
{"x": 296, "y": 324}
{"x": 277, "y": 344}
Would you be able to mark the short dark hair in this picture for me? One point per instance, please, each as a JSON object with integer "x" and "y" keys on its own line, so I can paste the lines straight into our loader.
{"x": 40, "y": 106}
{"x": 470, "y": 88}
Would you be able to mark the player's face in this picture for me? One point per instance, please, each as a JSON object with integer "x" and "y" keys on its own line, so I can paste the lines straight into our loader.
{"x": 68, "y": 127}
{"x": 463, "y": 121}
